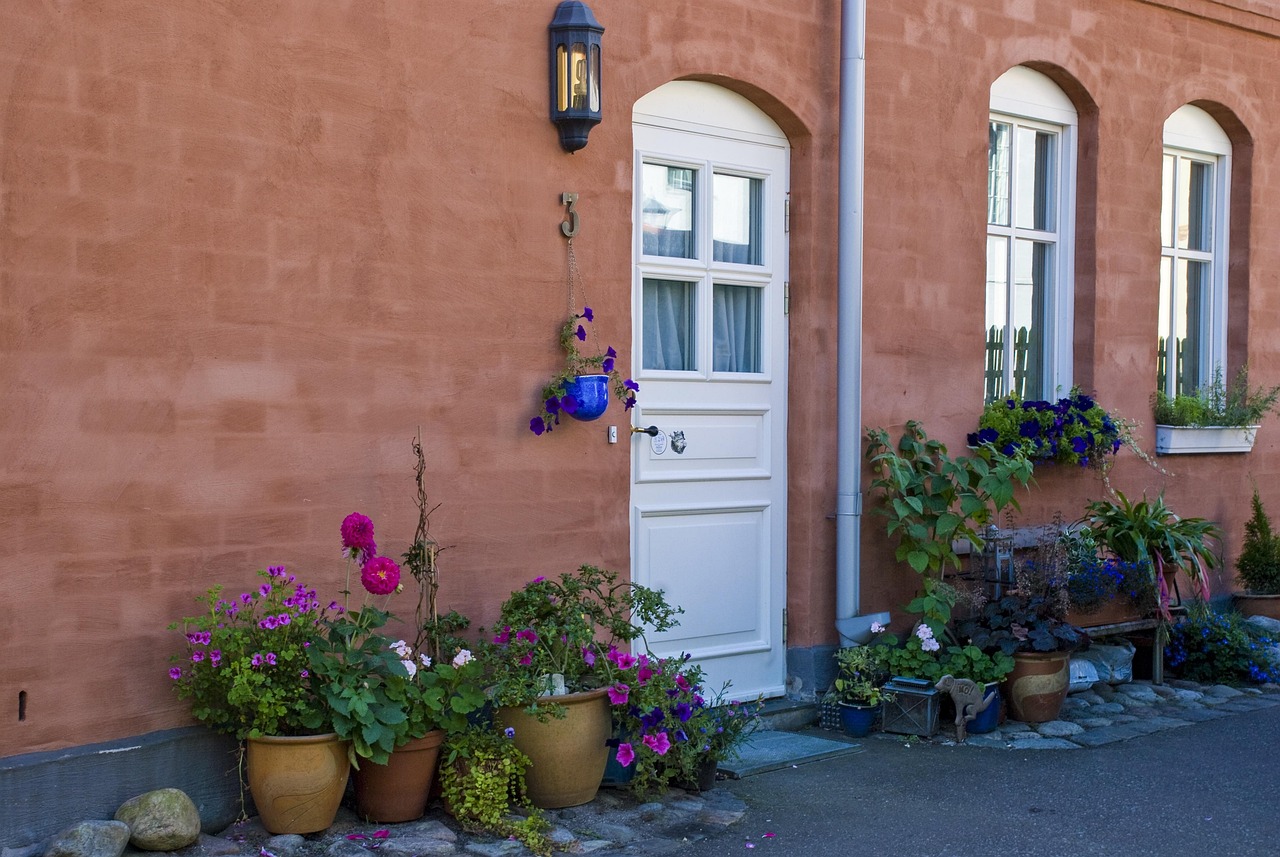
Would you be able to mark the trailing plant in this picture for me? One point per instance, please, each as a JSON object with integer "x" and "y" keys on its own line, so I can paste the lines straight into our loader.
{"x": 482, "y": 779}
{"x": 1074, "y": 430}
{"x": 1220, "y": 647}
{"x": 1149, "y": 531}
{"x": 1217, "y": 403}
{"x": 556, "y": 399}
{"x": 932, "y": 500}
{"x": 1259, "y": 560}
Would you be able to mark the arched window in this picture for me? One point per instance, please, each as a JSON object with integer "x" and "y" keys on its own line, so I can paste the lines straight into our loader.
{"x": 1030, "y": 215}
{"x": 1195, "y": 178}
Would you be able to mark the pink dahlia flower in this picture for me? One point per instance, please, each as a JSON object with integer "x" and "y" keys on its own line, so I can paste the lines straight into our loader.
{"x": 380, "y": 575}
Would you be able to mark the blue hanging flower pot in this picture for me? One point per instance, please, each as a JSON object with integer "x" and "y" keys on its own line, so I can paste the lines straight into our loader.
{"x": 591, "y": 392}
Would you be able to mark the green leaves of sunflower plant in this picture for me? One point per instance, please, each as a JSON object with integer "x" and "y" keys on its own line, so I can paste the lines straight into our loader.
{"x": 931, "y": 501}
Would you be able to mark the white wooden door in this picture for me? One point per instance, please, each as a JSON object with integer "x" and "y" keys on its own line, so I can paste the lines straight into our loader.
{"x": 710, "y": 352}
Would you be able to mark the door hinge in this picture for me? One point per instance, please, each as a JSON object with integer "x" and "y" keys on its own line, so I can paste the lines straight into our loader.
{"x": 786, "y": 297}
{"x": 786, "y": 213}
{"x": 784, "y": 627}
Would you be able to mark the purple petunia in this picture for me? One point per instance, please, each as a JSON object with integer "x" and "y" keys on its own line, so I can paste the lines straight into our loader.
{"x": 588, "y": 314}
{"x": 581, "y": 333}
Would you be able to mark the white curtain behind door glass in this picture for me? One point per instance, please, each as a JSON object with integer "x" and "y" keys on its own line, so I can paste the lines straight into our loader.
{"x": 736, "y": 334}
{"x": 668, "y": 325}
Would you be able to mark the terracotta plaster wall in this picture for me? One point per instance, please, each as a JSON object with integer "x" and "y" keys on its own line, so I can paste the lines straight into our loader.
{"x": 1127, "y": 66}
{"x": 247, "y": 249}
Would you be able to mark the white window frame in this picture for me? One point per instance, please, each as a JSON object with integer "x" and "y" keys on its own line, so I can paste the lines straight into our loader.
{"x": 1190, "y": 132}
{"x": 1027, "y": 98}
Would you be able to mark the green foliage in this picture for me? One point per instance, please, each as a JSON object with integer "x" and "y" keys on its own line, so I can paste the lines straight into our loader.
{"x": 1075, "y": 430}
{"x": 244, "y": 666}
{"x": 565, "y": 627}
{"x": 1259, "y": 560}
{"x": 911, "y": 658}
{"x": 972, "y": 663}
{"x": 1217, "y": 403}
{"x": 482, "y": 777}
{"x": 1220, "y": 647}
{"x": 1030, "y": 615}
{"x": 932, "y": 500}
{"x": 860, "y": 674}
{"x": 1149, "y": 531}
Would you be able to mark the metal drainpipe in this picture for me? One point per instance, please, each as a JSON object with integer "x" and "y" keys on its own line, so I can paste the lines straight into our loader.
{"x": 852, "y": 627}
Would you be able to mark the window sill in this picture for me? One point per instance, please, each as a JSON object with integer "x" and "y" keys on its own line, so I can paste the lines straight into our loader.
{"x": 1187, "y": 440}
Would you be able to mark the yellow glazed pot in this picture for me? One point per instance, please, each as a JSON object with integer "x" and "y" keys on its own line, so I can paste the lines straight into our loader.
{"x": 297, "y": 782}
{"x": 568, "y": 754}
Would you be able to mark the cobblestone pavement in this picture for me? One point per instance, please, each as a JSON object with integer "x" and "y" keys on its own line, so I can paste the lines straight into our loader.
{"x": 1106, "y": 713}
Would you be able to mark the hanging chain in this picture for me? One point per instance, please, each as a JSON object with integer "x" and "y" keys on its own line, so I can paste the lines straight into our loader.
{"x": 573, "y": 280}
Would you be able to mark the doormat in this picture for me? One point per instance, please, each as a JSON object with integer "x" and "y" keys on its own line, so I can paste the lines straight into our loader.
{"x": 770, "y": 750}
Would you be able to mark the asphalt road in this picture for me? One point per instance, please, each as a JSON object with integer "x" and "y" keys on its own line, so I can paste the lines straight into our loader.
{"x": 1212, "y": 788}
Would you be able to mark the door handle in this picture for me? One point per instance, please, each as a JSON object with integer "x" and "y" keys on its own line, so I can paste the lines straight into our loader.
{"x": 652, "y": 431}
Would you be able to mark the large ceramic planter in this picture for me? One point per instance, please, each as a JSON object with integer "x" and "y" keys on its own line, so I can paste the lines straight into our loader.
{"x": 399, "y": 790}
{"x": 568, "y": 754}
{"x": 297, "y": 782}
{"x": 1183, "y": 440}
{"x": 1257, "y": 605}
{"x": 857, "y": 720}
{"x": 1038, "y": 685}
{"x": 1112, "y": 612}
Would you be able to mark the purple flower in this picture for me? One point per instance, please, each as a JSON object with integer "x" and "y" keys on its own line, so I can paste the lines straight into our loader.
{"x": 659, "y": 743}
{"x": 503, "y": 638}
{"x": 528, "y": 635}
{"x": 509, "y": 732}
{"x": 552, "y": 405}
{"x": 607, "y": 365}
{"x": 537, "y": 426}
{"x": 631, "y": 385}
{"x": 175, "y": 673}
{"x": 684, "y": 711}
{"x": 246, "y": 598}
{"x": 609, "y": 352}
{"x": 626, "y": 755}
{"x": 271, "y": 658}
{"x": 588, "y": 314}
{"x": 275, "y": 571}
{"x": 618, "y": 694}
{"x": 588, "y": 656}
{"x": 569, "y": 404}
{"x": 197, "y": 657}
{"x": 256, "y": 660}
{"x": 215, "y": 657}
{"x": 283, "y": 619}
{"x": 581, "y": 333}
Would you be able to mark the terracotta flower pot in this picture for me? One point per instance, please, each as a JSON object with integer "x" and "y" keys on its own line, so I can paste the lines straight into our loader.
{"x": 1112, "y": 612}
{"x": 567, "y": 755}
{"x": 1038, "y": 685}
{"x": 297, "y": 782}
{"x": 1257, "y": 605}
{"x": 399, "y": 790}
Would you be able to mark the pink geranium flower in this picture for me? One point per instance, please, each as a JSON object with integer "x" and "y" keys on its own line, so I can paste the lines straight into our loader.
{"x": 380, "y": 575}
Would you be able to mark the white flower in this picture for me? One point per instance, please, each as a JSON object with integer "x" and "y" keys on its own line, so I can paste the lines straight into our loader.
{"x": 929, "y": 645}
{"x": 463, "y": 656}
{"x": 426, "y": 661}
{"x": 411, "y": 667}
{"x": 925, "y": 633}
{"x": 401, "y": 648}
{"x": 877, "y": 628}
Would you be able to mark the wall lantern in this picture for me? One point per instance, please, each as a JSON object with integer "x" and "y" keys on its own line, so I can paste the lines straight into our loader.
{"x": 575, "y": 73}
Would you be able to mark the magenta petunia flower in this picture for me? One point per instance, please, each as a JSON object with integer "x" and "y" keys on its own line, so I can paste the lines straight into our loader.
{"x": 528, "y": 635}
{"x": 659, "y": 743}
{"x": 644, "y": 673}
{"x": 526, "y": 660}
{"x": 503, "y": 638}
{"x": 380, "y": 575}
{"x": 626, "y": 755}
{"x": 588, "y": 656}
{"x": 618, "y": 694}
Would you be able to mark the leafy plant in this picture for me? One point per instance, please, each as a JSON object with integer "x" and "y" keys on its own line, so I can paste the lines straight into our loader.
{"x": 1259, "y": 560}
{"x": 1095, "y": 582}
{"x": 556, "y": 399}
{"x": 1220, "y": 647}
{"x": 1149, "y": 531}
{"x": 932, "y": 500}
{"x": 1073, "y": 430}
{"x": 556, "y": 634}
{"x": 245, "y": 667}
{"x": 915, "y": 657}
{"x": 972, "y": 663}
{"x": 860, "y": 676}
{"x": 1217, "y": 403}
{"x": 1030, "y": 616}
{"x": 482, "y": 779}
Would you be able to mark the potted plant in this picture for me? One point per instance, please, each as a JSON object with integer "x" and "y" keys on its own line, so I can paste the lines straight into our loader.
{"x": 1028, "y": 622}
{"x": 1149, "y": 531}
{"x": 1259, "y": 565}
{"x": 985, "y": 669}
{"x": 931, "y": 501}
{"x": 482, "y": 783}
{"x": 1218, "y": 417}
{"x": 550, "y": 671}
{"x": 1074, "y": 430}
{"x": 247, "y": 672}
{"x": 582, "y": 388}
{"x": 858, "y": 688}
{"x": 718, "y": 729}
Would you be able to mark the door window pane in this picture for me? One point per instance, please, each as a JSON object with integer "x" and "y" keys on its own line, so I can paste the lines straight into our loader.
{"x": 1032, "y": 270}
{"x": 667, "y": 211}
{"x": 997, "y": 314}
{"x": 736, "y": 215}
{"x": 670, "y": 316}
{"x": 1195, "y": 205}
{"x": 735, "y": 344}
{"x": 1191, "y": 296}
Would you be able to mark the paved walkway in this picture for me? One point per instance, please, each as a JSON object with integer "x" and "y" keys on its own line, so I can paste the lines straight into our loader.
{"x": 616, "y": 823}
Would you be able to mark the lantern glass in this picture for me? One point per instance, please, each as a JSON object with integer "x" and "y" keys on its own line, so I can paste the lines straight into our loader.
{"x": 578, "y": 76}
{"x": 593, "y": 80}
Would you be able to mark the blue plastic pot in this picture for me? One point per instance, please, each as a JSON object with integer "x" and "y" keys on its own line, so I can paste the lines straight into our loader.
{"x": 988, "y": 719}
{"x": 857, "y": 720}
{"x": 592, "y": 395}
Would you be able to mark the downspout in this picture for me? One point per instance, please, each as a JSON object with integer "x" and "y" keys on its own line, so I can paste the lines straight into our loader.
{"x": 852, "y": 627}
